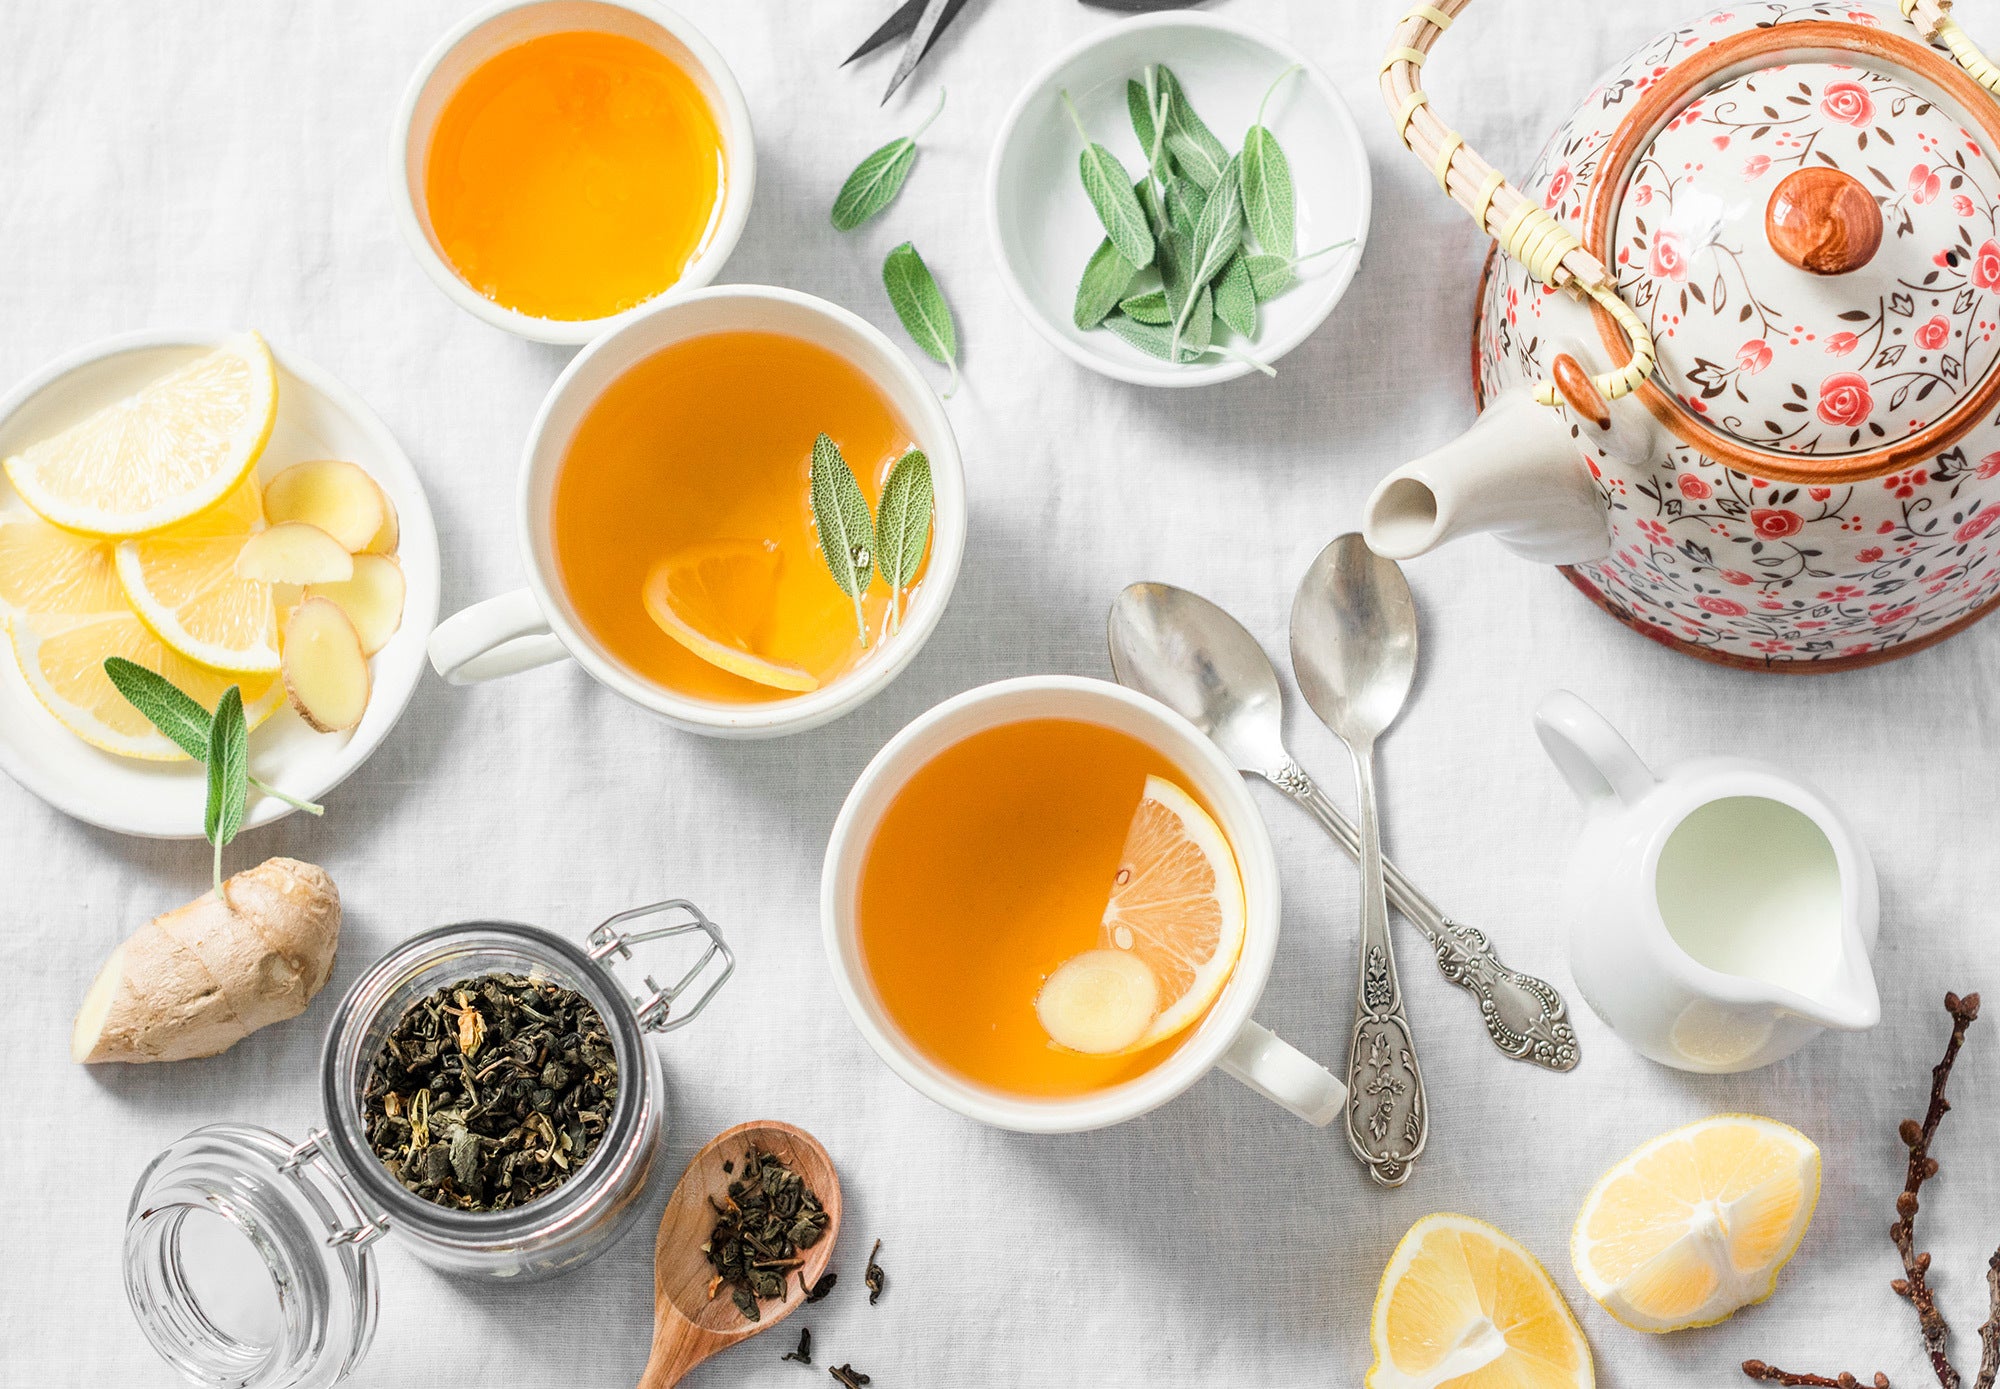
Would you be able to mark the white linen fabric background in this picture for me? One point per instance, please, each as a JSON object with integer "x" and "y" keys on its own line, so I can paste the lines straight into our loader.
{"x": 227, "y": 164}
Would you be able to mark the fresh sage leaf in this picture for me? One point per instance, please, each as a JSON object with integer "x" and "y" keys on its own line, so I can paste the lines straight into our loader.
{"x": 1216, "y": 239}
{"x": 1270, "y": 275}
{"x": 1185, "y": 201}
{"x": 1154, "y": 340}
{"x": 1110, "y": 190}
{"x": 877, "y": 179}
{"x": 903, "y": 525}
{"x": 228, "y": 774}
{"x": 1236, "y": 299}
{"x": 920, "y": 304}
{"x": 1140, "y": 105}
{"x": 1199, "y": 331}
{"x": 846, "y": 530}
{"x": 1176, "y": 270}
{"x": 166, "y": 706}
{"x": 1266, "y": 178}
{"x": 1152, "y": 203}
{"x": 1150, "y": 307}
{"x": 1105, "y": 280}
{"x": 1196, "y": 151}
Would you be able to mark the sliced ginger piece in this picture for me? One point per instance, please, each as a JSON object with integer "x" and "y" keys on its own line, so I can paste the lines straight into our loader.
{"x": 1099, "y": 1002}
{"x": 372, "y": 599}
{"x": 337, "y": 496}
{"x": 294, "y": 552}
{"x": 390, "y": 536}
{"x": 325, "y": 669}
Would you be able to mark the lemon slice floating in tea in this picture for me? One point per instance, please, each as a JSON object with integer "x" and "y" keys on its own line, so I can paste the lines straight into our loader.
{"x": 714, "y": 599}
{"x": 174, "y": 448}
{"x": 183, "y": 584}
{"x": 1462, "y": 1304}
{"x": 1696, "y": 1224}
{"x": 1176, "y": 908}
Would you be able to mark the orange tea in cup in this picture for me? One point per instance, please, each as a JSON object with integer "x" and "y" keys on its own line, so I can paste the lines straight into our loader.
{"x": 1047, "y": 856}
{"x": 574, "y": 175}
{"x": 682, "y": 521}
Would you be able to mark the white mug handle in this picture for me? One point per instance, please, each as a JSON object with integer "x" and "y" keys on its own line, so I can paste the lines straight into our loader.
{"x": 501, "y": 636}
{"x": 1283, "y": 1074}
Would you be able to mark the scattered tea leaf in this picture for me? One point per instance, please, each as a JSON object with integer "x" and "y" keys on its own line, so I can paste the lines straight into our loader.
{"x": 1109, "y": 188}
{"x": 819, "y": 1289}
{"x": 1266, "y": 179}
{"x": 849, "y": 1376}
{"x": 1105, "y": 278}
{"x": 846, "y": 531}
{"x": 873, "y": 1277}
{"x": 228, "y": 774}
{"x": 1150, "y": 307}
{"x": 920, "y": 304}
{"x": 804, "y": 1353}
{"x": 877, "y": 179}
{"x": 1236, "y": 298}
{"x": 1196, "y": 151}
{"x": 903, "y": 524}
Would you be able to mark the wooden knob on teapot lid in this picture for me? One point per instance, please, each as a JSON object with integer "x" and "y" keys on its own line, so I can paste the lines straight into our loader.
{"x": 1823, "y": 221}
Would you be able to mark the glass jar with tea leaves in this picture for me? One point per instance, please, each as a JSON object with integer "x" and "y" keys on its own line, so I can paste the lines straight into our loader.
{"x": 491, "y": 1102}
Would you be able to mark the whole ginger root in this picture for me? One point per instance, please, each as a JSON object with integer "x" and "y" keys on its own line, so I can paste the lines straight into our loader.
{"x": 199, "y": 979}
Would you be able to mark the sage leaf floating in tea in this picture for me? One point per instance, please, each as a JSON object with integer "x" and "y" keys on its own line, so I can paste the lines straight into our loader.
{"x": 766, "y": 1220}
{"x": 919, "y": 303}
{"x": 1109, "y": 188}
{"x": 877, "y": 179}
{"x": 903, "y": 526}
{"x": 846, "y": 530}
{"x": 228, "y": 774}
{"x": 491, "y": 1092}
{"x": 1105, "y": 278}
{"x": 175, "y": 713}
{"x": 1266, "y": 179}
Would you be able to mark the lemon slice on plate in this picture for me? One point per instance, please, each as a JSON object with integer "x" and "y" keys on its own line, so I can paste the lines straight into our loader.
{"x": 1175, "y": 912}
{"x": 44, "y": 569}
{"x": 1696, "y": 1224}
{"x": 176, "y": 447}
{"x": 1463, "y": 1305}
{"x": 62, "y": 661}
{"x": 183, "y": 584}
{"x": 714, "y": 600}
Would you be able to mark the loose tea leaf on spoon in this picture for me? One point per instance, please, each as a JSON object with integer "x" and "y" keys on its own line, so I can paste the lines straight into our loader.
{"x": 877, "y": 179}
{"x": 769, "y": 1218}
{"x": 920, "y": 305}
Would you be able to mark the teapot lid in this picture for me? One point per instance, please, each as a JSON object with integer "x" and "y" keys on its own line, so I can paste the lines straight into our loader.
{"x": 1810, "y": 224}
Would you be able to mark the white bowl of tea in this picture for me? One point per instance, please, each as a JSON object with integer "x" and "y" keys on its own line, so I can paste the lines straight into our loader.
{"x": 693, "y": 490}
{"x": 560, "y": 164}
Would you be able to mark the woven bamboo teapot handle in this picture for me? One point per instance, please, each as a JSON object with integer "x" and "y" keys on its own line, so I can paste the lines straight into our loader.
{"x": 1933, "y": 20}
{"x": 1522, "y": 226}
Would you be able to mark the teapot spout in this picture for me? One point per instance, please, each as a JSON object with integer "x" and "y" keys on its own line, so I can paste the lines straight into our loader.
{"x": 1515, "y": 474}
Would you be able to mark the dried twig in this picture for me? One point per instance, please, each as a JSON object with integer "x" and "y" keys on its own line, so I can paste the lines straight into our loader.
{"x": 1914, "y": 1285}
{"x": 1757, "y": 1369}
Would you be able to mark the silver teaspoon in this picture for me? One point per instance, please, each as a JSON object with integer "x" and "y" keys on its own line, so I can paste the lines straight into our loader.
{"x": 1204, "y": 665}
{"x": 1354, "y": 651}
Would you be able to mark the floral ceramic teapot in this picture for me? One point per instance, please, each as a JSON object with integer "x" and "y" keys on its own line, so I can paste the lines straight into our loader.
{"x": 1761, "y": 424}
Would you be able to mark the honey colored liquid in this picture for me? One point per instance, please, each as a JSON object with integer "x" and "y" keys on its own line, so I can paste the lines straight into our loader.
{"x": 574, "y": 175}
{"x": 711, "y": 440}
{"x": 991, "y": 867}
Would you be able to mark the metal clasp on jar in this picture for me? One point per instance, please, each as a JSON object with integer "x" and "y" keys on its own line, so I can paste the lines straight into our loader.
{"x": 656, "y": 1007}
{"x": 366, "y": 1228}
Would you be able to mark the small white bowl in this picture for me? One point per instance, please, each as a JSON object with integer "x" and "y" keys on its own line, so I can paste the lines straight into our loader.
{"x": 1042, "y": 226}
{"x": 317, "y": 418}
{"x": 505, "y": 24}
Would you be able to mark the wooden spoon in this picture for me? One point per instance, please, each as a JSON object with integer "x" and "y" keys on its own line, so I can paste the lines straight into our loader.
{"x": 688, "y": 1324}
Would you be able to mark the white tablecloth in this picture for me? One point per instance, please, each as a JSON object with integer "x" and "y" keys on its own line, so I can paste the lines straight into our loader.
{"x": 226, "y": 164}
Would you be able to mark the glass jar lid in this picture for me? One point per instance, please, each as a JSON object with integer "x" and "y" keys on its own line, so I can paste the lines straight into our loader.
{"x": 247, "y": 1260}
{"x": 1811, "y": 237}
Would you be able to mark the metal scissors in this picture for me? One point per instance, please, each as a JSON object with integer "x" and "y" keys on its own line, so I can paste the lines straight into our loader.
{"x": 923, "y": 21}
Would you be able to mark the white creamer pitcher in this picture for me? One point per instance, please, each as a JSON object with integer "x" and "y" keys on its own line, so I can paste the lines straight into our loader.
{"x": 1721, "y": 914}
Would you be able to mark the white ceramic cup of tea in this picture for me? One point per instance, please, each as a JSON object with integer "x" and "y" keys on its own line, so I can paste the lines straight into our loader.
{"x": 1226, "y": 1037}
{"x": 492, "y": 29}
{"x": 537, "y": 625}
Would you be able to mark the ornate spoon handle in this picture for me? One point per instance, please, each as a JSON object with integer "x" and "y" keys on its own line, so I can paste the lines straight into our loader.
{"x": 1525, "y": 1017}
{"x": 1388, "y": 1120}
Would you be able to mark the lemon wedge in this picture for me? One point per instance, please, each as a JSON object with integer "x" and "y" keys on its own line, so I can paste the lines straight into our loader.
{"x": 44, "y": 569}
{"x": 698, "y": 597}
{"x": 176, "y": 447}
{"x": 1463, "y": 1306}
{"x": 62, "y": 661}
{"x": 1696, "y": 1224}
{"x": 184, "y": 584}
